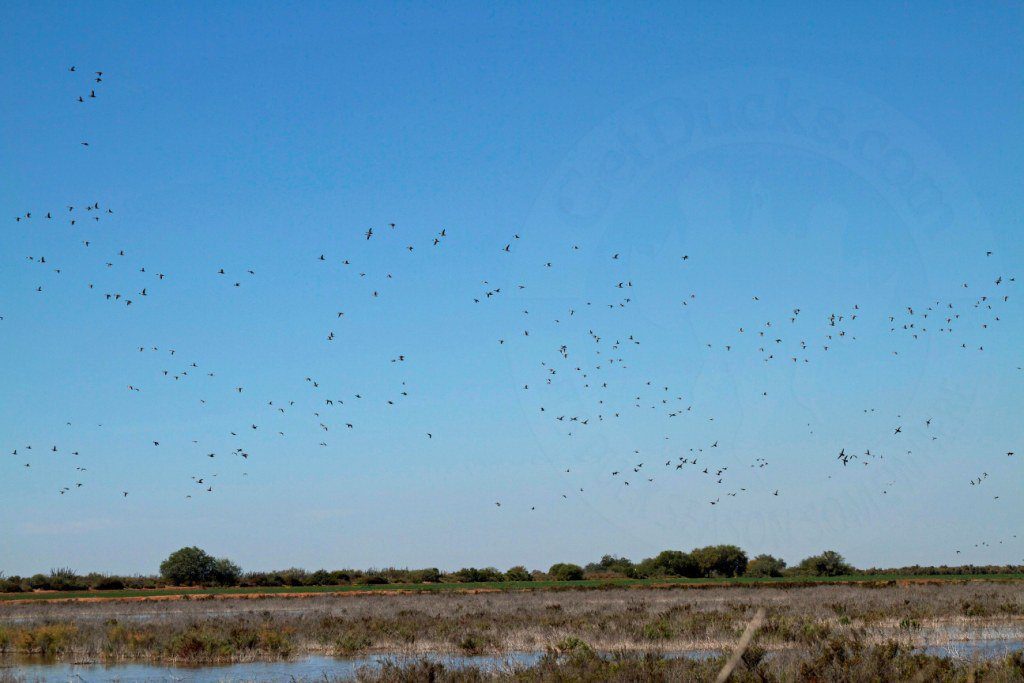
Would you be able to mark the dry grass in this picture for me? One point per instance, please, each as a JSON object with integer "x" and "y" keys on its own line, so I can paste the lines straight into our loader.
{"x": 834, "y": 660}
{"x": 616, "y": 620}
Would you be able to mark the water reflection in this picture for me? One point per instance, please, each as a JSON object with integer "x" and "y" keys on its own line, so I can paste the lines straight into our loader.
{"x": 38, "y": 670}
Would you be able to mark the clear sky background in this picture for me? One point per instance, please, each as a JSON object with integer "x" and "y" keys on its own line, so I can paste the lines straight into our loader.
{"x": 856, "y": 162}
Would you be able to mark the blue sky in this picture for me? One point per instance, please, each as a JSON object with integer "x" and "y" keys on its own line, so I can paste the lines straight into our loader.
{"x": 849, "y": 162}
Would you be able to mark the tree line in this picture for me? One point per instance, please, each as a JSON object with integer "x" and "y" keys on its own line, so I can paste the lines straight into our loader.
{"x": 193, "y": 566}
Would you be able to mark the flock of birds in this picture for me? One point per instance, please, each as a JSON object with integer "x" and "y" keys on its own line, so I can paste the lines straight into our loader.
{"x": 587, "y": 360}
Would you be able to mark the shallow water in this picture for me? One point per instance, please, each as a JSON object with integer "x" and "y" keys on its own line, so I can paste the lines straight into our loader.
{"x": 305, "y": 669}
{"x": 970, "y": 649}
{"x": 330, "y": 668}
{"x": 32, "y": 670}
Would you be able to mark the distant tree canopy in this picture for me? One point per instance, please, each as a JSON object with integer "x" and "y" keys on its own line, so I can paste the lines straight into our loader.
{"x": 225, "y": 572}
{"x": 612, "y": 564}
{"x": 428, "y": 575}
{"x": 193, "y": 566}
{"x": 765, "y": 566}
{"x": 829, "y": 563}
{"x": 669, "y": 563}
{"x": 565, "y": 571}
{"x": 720, "y": 560}
{"x": 709, "y": 561}
{"x": 474, "y": 575}
{"x": 518, "y": 573}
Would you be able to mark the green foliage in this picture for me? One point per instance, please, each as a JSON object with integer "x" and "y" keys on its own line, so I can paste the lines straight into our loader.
{"x": 108, "y": 583}
{"x": 429, "y": 575}
{"x": 828, "y": 563}
{"x": 474, "y": 643}
{"x": 660, "y": 629}
{"x": 293, "y": 577}
{"x": 764, "y": 566}
{"x": 573, "y": 647}
{"x": 187, "y": 567}
{"x": 720, "y": 560}
{"x": 47, "y": 640}
{"x": 565, "y": 571}
{"x": 225, "y": 572}
{"x": 13, "y": 584}
{"x": 38, "y": 582}
{"x": 212, "y": 643}
{"x": 62, "y": 579}
{"x": 710, "y": 561}
{"x": 352, "y": 641}
{"x": 320, "y": 577}
{"x": 474, "y": 575}
{"x": 371, "y": 580}
{"x": 518, "y": 573}
{"x": 192, "y": 566}
{"x": 613, "y": 564}
{"x": 677, "y": 563}
{"x": 74, "y": 583}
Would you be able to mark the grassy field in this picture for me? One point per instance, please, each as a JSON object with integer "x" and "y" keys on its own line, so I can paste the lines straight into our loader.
{"x": 504, "y": 586}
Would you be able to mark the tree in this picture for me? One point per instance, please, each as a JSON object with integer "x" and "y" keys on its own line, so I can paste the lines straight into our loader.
{"x": 565, "y": 571}
{"x": 187, "y": 567}
{"x": 193, "y": 566}
{"x": 65, "y": 579}
{"x": 225, "y": 572}
{"x": 518, "y": 573}
{"x": 765, "y": 565}
{"x": 677, "y": 563}
{"x": 829, "y": 563}
{"x": 474, "y": 575}
{"x": 428, "y": 575}
{"x": 321, "y": 577}
{"x": 668, "y": 563}
{"x": 720, "y": 560}
{"x": 612, "y": 564}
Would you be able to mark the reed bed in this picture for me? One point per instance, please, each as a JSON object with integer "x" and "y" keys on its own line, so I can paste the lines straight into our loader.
{"x": 636, "y": 622}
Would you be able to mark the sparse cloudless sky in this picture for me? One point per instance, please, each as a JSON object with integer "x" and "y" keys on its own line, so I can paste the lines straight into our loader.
{"x": 856, "y": 161}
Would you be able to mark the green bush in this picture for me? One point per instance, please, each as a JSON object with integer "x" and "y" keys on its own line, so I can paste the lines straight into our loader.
{"x": 192, "y": 566}
{"x": 12, "y": 585}
{"x": 829, "y": 563}
{"x": 474, "y": 575}
{"x": 293, "y": 577}
{"x": 429, "y": 575}
{"x": 108, "y": 583}
{"x": 565, "y": 571}
{"x": 518, "y": 573}
{"x": 198, "y": 643}
{"x": 321, "y": 577}
{"x": 720, "y": 560}
{"x": 765, "y": 566}
{"x": 340, "y": 578}
{"x": 38, "y": 582}
{"x": 65, "y": 579}
{"x": 225, "y": 572}
{"x": 673, "y": 563}
{"x": 572, "y": 646}
{"x": 472, "y": 643}
{"x": 352, "y": 642}
{"x": 612, "y": 564}
{"x": 47, "y": 640}
{"x": 261, "y": 579}
{"x": 371, "y": 580}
